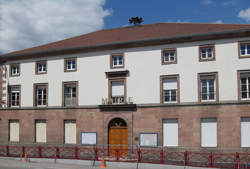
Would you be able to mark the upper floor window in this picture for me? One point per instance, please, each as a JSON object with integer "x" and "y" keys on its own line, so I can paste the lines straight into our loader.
{"x": 14, "y": 70}
{"x": 14, "y": 96}
{"x": 41, "y": 95}
{"x": 41, "y": 67}
{"x": 117, "y": 61}
{"x": 244, "y": 49}
{"x": 70, "y": 65}
{"x": 169, "y": 93}
{"x": 169, "y": 56}
{"x": 208, "y": 87}
{"x": 117, "y": 91}
{"x": 245, "y": 85}
{"x": 70, "y": 93}
{"x": 207, "y": 53}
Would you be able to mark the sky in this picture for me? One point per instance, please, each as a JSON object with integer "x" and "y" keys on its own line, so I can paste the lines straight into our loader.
{"x": 29, "y": 23}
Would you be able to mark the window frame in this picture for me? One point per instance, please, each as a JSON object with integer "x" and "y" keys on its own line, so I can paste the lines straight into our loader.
{"x": 163, "y": 62}
{"x": 162, "y": 77}
{"x": 170, "y": 120}
{"x": 217, "y": 129}
{"x": 118, "y": 79}
{"x": 215, "y": 74}
{"x": 63, "y": 93}
{"x": 35, "y": 94}
{"x": 9, "y": 95}
{"x": 243, "y": 119}
{"x": 239, "y": 73}
{"x": 35, "y": 138}
{"x": 11, "y": 67}
{"x": 239, "y": 51}
{"x": 64, "y": 130}
{"x": 212, "y": 46}
{"x": 65, "y": 64}
{"x": 111, "y": 60}
{"x": 13, "y": 120}
{"x": 37, "y": 67}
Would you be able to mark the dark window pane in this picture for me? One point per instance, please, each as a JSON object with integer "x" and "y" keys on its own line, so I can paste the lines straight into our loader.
{"x": 244, "y": 95}
{"x": 204, "y": 96}
{"x": 173, "y": 95}
{"x": 211, "y": 95}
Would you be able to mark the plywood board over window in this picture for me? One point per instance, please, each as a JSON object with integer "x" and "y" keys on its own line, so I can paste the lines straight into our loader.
{"x": 41, "y": 131}
{"x": 14, "y": 130}
{"x": 245, "y": 132}
{"x": 170, "y": 132}
{"x": 70, "y": 132}
{"x": 208, "y": 132}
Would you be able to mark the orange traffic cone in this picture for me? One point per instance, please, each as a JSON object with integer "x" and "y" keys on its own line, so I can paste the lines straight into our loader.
{"x": 103, "y": 163}
{"x": 25, "y": 158}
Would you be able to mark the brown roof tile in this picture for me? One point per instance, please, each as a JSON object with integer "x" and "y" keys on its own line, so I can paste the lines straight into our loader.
{"x": 133, "y": 33}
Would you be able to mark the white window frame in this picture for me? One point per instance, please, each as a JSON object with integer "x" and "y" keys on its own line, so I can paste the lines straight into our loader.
{"x": 206, "y": 53}
{"x": 169, "y": 52}
{"x": 69, "y": 64}
{"x": 71, "y": 93}
{"x": 17, "y": 96}
{"x": 15, "y": 70}
{"x": 118, "y": 64}
{"x": 170, "y": 90}
{"x": 43, "y": 67}
{"x": 42, "y": 87}
{"x": 247, "y": 76}
{"x": 207, "y": 78}
{"x": 245, "y": 45}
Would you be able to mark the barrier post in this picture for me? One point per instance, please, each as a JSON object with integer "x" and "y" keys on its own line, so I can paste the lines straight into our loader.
{"x": 237, "y": 160}
{"x": 162, "y": 156}
{"x": 76, "y": 152}
{"x": 39, "y": 152}
{"x": 186, "y": 158}
{"x": 211, "y": 160}
{"x": 96, "y": 153}
{"x": 139, "y": 155}
{"x": 7, "y": 151}
{"x": 23, "y": 151}
{"x": 117, "y": 154}
{"x": 57, "y": 152}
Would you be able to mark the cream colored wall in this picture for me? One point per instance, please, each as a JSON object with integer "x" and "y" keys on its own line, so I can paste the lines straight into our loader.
{"x": 143, "y": 82}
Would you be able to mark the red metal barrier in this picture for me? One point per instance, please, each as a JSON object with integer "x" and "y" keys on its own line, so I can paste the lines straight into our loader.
{"x": 132, "y": 154}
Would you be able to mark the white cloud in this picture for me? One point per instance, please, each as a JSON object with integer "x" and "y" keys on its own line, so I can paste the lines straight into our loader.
{"x": 207, "y": 2}
{"x": 228, "y": 3}
{"x": 245, "y": 14}
{"x": 27, "y": 23}
{"x": 218, "y": 22}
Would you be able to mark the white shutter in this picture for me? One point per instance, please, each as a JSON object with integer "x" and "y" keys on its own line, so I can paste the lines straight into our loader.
{"x": 208, "y": 132}
{"x": 70, "y": 132}
{"x": 41, "y": 133}
{"x": 170, "y": 132}
{"x": 14, "y": 130}
{"x": 245, "y": 132}
{"x": 117, "y": 88}
{"x": 169, "y": 83}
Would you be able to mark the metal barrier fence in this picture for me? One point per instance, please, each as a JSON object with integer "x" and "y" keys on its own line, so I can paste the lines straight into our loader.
{"x": 157, "y": 155}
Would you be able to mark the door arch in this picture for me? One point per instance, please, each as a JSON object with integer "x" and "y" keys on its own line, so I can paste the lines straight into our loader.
{"x": 117, "y": 135}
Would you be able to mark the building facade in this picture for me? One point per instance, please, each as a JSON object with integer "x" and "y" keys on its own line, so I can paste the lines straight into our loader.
{"x": 190, "y": 89}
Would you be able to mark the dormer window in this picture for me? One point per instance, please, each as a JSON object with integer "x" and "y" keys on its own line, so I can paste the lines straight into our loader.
{"x": 169, "y": 56}
{"x": 207, "y": 53}
{"x": 117, "y": 61}
{"x": 41, "y": 67}
{"x": 70, "y": 65}
{"x": 14, "y": 70}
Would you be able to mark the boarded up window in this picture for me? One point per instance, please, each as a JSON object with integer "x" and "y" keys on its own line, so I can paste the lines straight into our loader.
{"x": 208, "y": 132}
{"x": 170, "y": 132}
{"x": 14, "y": 130}
{"x": 245, "y": 132}
{"x": 70, "y": 131}
{"x": 41, "y": 131}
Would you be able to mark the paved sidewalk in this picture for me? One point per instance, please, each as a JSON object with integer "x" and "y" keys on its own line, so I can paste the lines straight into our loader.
{"x": 15, "y": 163}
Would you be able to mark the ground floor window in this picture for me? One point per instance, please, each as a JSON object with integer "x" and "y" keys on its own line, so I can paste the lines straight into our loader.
{"x": 41, "y": 131}
{"x": 14, "y": 130}
{"x": 170, "y": 132}
{"x": 245, "y": 132}
{"x": 208, "y": 132}
{"x": 70, "y": 132}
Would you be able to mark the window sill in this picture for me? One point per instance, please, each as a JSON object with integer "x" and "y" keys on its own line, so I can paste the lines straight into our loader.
{"x": 116, "y": 67}
{"x": 169, "y": 63}
{"x": 71, "y": 70}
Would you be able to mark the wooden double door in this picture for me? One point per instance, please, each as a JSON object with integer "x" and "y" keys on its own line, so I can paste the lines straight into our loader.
{"x": 118, "y": 140}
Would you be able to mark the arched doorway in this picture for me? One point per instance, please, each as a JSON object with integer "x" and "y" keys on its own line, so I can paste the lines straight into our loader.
{"x": 117, "y": 135}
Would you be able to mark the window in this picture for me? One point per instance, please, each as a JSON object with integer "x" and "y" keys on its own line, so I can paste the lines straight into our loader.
{"x": 117, "y": 61}
{"x": 70, "y": 132}
{"x": 148, "y": 139}
{"x": 14, "y": 70}
{"x": 70, "y": 65}
{"x": 244, "y": 49}
{"x": 41, "y": 95}
{"x": 117, "y": 91}
{"x": 41, "y": 133}
{"x": 244, "y": 83}
{"x": 14, "y": 96}
{"x": 41, "y": 67}
{"x": 245, "y": 132}
{"x": 14, "y": 130}
{"x": 89, "y": 138}
{"x": 207, "y": 53}
{"x": 208, "y": 87}
{"x": 70, "y": 93}
{"x": 169, "y": 56}
{"x": 169, "y": 89}
{"x": 208, "y": 132}
{"x": 170, "y": 132}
